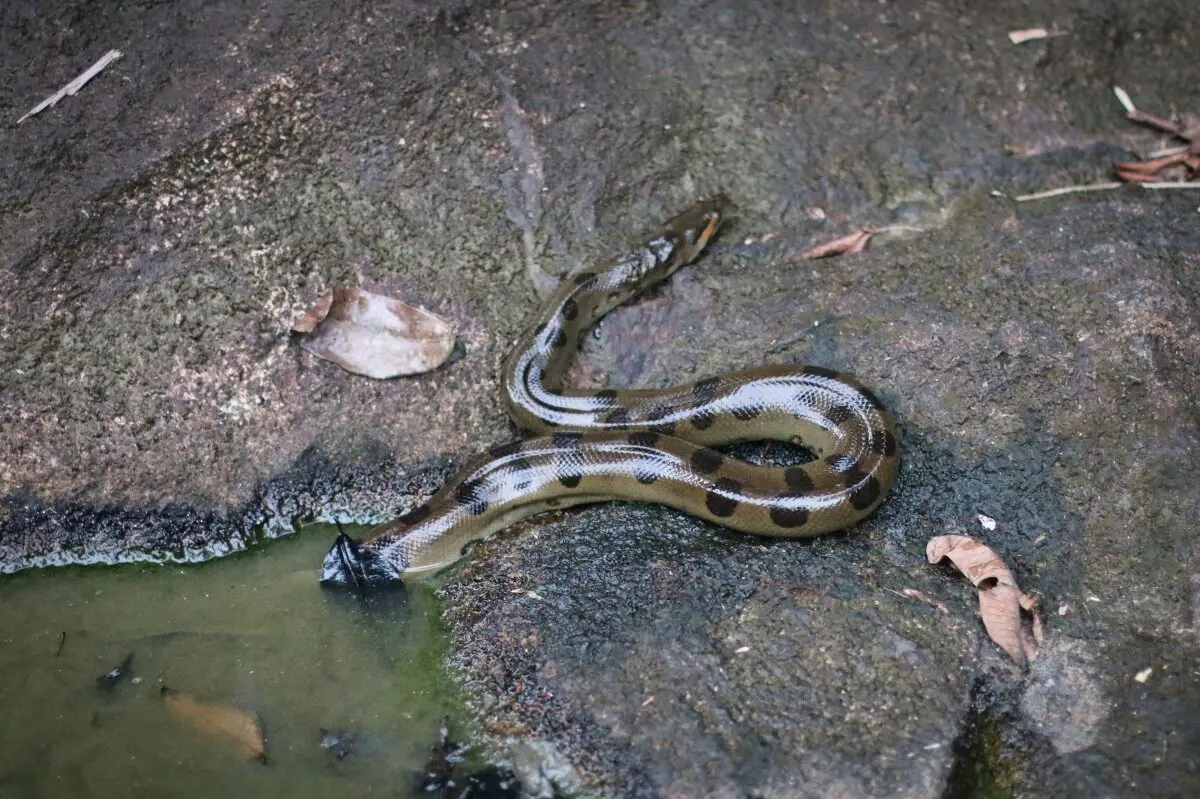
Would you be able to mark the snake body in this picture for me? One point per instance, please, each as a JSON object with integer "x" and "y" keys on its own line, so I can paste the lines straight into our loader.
{"x": 645, "y": 445}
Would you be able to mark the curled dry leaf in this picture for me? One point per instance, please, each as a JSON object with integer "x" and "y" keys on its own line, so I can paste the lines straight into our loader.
{"x": 373, "y": 335}
{"x": 857, "y": 241}
{"x": 1000, "y": 601}
{"x": 240, "y": 726}
{"x": 1150, "y": 171}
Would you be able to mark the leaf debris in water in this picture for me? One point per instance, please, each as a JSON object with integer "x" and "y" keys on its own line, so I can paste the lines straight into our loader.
{"x": 373, "y": 335}
{"x": 1000, "y": 600}
{"x": 108, "y": 680}
{"x": 240, "y": 726}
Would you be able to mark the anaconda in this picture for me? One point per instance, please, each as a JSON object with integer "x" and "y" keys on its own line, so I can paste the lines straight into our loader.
{"x": 645, "y": 445}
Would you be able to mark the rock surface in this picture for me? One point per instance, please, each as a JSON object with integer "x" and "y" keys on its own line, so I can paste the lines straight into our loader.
{"x": 163, "y": 227}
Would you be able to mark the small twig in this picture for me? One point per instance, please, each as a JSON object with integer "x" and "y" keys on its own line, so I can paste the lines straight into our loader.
{"x": 62, "y": 639}
{"x": 896, "y": 229}
{"x": 1123, "y": 99}
{"x": 75, "y": 85}
{"x": 1183, "y": 148}
{"x": 1041, "y": 195}
{"x": 1155, "y": 121}
{"x": 1132, "y": 112}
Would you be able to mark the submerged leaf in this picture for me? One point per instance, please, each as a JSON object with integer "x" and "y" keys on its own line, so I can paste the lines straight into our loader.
{"x": 1000, "y": 600}
{"x": 241, "y": 726}
{"x": 373, "y": 335}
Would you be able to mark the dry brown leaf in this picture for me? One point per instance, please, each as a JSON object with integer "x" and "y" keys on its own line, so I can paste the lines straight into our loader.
{"x": 373, "y": 335}
{"x": 1000, "y": 601}
{"x": 241, "y": 726}
{"x": 857, "y": 241}
{"x": 1150, "y": 171}
{"x": 313, "y": 316}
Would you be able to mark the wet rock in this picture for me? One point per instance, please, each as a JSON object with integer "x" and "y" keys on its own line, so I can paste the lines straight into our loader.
{"x": 1035, "y": 358}
{"x": 161, "y": 235}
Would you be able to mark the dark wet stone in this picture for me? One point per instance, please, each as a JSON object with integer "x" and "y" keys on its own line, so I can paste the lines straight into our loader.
{"x": 340, "y": 743}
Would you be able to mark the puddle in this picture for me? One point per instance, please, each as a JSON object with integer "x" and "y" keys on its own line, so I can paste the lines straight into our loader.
{"x": 254, "y": 630}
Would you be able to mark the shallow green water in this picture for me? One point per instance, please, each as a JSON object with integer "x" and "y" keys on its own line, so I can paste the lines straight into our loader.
{"x": 254, "y": 630}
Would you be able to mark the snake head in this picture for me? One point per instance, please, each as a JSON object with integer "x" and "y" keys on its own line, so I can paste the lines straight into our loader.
{"x": 683, "y": 237}
{"x": 349, "y": 565}
{"x": 697, "y": 225}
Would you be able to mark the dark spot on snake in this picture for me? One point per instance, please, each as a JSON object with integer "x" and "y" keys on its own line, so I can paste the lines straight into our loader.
{"x": 568, "y": 439}
{"x": 645, "y": 476}
{"x": 653, "y": 417}
{"x": 607, "y": 395}
{"x": 618, "y": 417}
{"x": 539, "y": 330}
{"x": 417, "y": 514}
{"x": 821, "y": 371}
{"x": 570, "y": 480}
{"x": 798, "y": 479}
{"x": 865, "y": 494}
{"x": 703, "y": 420}
{"x": 471, "y": 496}
{"x": 839, "y": 414}
{"x": 533, "y": 374}
{"x": 838, "y": 463}
{"x": 717, "y": 503}
{"x": 706, "y": 389}
{"x": 871, "y": 398}
{"x": 643, "y": 438}
{"x": 560, "y": 338}
{"x": 707, "y": 460}
{"x": 506, "y": 449}
{"x": 789, "y": 516}
{"x": 583, "y": 277}
{"x": 570, "y": 308}
{"x": 883, "y": 442}
{"x": 746, "y": 412}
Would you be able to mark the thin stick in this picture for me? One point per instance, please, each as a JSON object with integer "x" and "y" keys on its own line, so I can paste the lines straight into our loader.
{"x": 1183, "y": 148}
{"x": 1041, "y": 195}
{"x": 75, "y": 85}
{"x": 1123, "y": 99}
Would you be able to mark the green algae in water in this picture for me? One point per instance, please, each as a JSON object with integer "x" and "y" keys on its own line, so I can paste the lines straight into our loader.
{"x": 254, "y": 630}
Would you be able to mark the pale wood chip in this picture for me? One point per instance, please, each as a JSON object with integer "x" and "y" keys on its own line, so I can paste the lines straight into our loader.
{"x": 1027, "y": 35}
